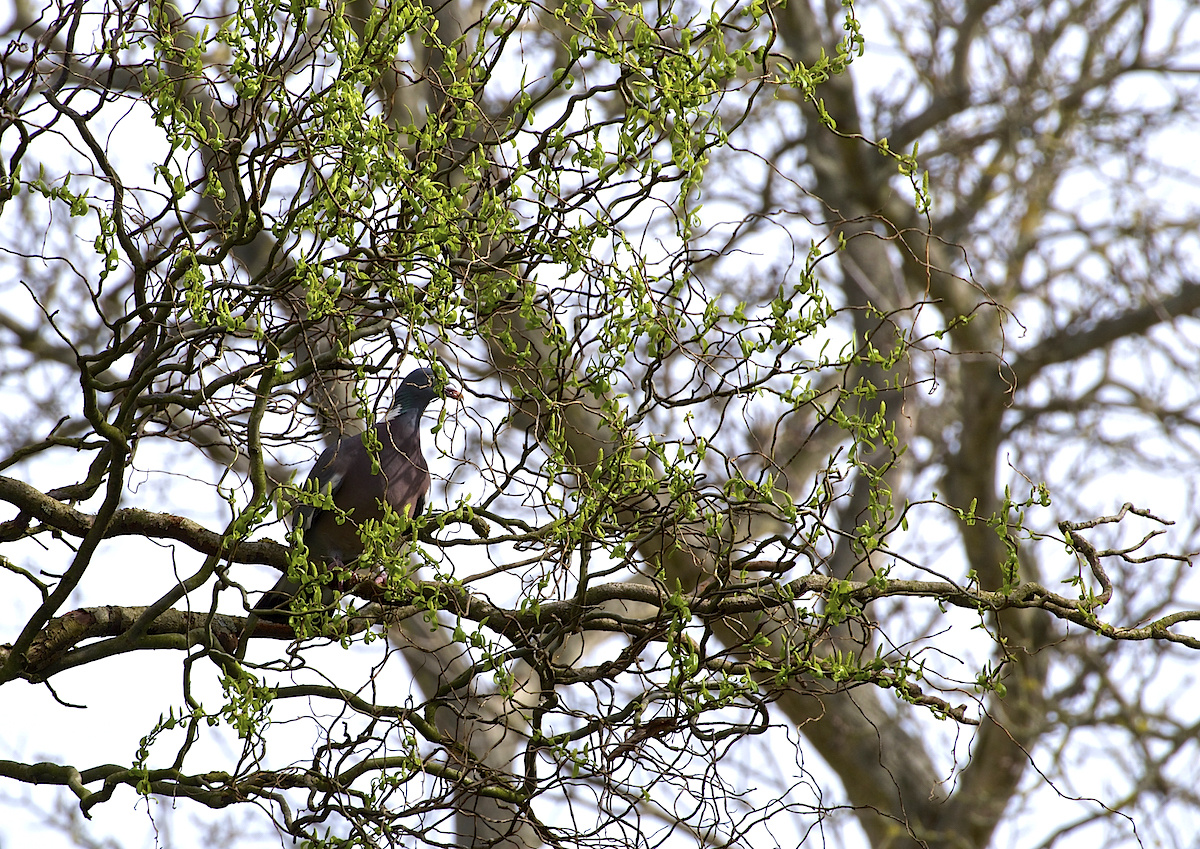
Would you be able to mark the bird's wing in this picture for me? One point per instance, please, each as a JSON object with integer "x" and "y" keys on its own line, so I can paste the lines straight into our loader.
{"x": 327, "y": 476}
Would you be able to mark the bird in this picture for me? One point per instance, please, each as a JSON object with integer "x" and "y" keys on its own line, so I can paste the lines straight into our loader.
{"x": 344, "y": 472}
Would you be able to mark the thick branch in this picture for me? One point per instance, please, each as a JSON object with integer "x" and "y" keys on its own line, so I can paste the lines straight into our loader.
{"x": 130, "y": 521}
{"x": 1071, "y": 343}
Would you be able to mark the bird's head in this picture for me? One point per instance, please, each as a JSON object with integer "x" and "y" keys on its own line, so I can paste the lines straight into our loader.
{"x": 418, "y": 389}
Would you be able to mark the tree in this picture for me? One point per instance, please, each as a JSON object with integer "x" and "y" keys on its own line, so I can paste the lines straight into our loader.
{"x": 782, "y": 427}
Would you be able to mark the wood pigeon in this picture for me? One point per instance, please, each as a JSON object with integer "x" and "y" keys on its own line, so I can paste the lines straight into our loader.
{"x": 344, "y": 471}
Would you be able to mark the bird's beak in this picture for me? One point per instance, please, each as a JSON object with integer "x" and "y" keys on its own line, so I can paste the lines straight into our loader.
{"x": 451, "y": 392}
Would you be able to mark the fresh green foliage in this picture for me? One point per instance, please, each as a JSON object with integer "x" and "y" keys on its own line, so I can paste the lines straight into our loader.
{"x": 684, "y": 499}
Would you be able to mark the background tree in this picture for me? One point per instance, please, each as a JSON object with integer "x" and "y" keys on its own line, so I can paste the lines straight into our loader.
{"x": 775, "y": 433}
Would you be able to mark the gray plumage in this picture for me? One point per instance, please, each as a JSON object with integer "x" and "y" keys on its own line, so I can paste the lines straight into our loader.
{"x": 343, "y": 471}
